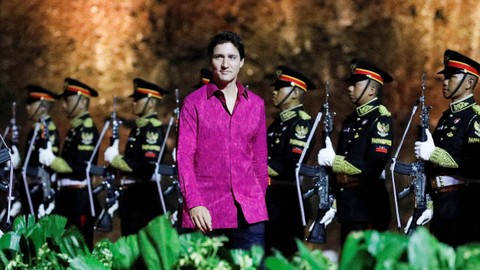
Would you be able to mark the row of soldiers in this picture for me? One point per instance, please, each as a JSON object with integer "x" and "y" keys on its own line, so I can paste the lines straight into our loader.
{"x": 58, "y": 181}
{"x": 444, "y": 178}
{"x": 357, "y": 193}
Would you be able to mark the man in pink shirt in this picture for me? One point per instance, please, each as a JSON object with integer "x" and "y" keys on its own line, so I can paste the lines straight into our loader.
{"x": 222, "y": 152}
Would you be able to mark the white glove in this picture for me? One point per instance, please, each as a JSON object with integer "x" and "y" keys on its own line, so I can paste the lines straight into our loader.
{"x": 111, "y": 152}
{"x": 46, "y": 156}
{"x": 424, "y": 150}
{"x": 326, "y": 155}
{"x": 424, "y": 218}
{"x": 15, "y": 157}
{"x": 328, "y": 217}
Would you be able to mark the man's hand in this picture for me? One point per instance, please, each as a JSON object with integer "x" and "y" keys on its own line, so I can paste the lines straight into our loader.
{"x": 111, "y": 152}
{"x": 46, "y": 156}
{"x": 328, "y": 217}
{"x": 15, "y": 157}
{"x": 201, "y": 218}
{"x": 424, "y": 150}
{"x": 326, "y": 155}
{"x": 424, "y": 218}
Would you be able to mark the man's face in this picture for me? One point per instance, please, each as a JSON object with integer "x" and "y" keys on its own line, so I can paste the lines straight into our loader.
{"x": 355, "y": 91}
{"x": 226, "y": 62}
{"x": 450, "y": 83}
{"x": 71, "y": 107}
{"x": 33, "y": 110}
{"x": 279, "y": 96}
{"x": 139, "y": 105}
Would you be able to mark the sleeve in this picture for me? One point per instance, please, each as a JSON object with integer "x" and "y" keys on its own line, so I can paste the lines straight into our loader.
{"x": 148, "y": 147}
{"x": 295, "y": 141}
{"x": 260, "y": 165}
{"x": 377, "y": 152}
{"x": 187, "y": 140}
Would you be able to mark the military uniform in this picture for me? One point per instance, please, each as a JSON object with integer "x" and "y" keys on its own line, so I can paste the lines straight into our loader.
{"x": 37, "y": 93}
{"x": 139, "y": 201}
{"x": 453, "y": 166}
{"x": 72, "y": 200}
{"x": 286, "y": 138}
{"x": 363, "y": 150}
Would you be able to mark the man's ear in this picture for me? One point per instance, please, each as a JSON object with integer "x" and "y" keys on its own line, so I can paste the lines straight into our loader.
{"x": 373, "y": 91}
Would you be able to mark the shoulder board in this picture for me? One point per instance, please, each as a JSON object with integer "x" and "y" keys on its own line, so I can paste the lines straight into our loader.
{"x": 88, "y": 123}
{"x": 383, "y": 110}
{"x": 155, "y": 122}
{"x": 304, "y": 115}
{"x": 476, "y": 109}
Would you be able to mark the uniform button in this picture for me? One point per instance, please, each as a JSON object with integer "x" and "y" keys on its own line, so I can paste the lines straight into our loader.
{"x": 349, "y": 141}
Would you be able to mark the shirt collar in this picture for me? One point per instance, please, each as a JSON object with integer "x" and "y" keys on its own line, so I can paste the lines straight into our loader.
{"x": 212, "y": 89}
{"x": 462, "y": 104}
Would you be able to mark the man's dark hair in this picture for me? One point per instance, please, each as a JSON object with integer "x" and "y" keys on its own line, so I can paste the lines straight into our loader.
{"x": 225, "y": 37}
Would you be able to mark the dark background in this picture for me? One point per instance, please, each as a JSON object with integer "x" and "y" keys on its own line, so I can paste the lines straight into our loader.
{"x": 107, "y": 43}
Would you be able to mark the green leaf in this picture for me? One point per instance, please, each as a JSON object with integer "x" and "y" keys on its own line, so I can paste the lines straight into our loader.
{"x": 468, "y": 257}
{"x": 159, "y": 244}
{"x": 10, "y": 240}
{"x": 305, "y": 254}
{"x": 275, "y": 263}
{"x": 425, "y": 252}
{"x": 86, "y": 263}
{"x": 72, "y": 243}
{"x": 355, "y": 253}
{"x": 388, "y": 248}
{"x": 125, "y": 252}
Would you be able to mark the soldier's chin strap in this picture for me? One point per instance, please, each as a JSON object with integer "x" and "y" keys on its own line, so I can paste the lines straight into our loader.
{"x": 74, "y": 107}
{"x": 145, "y": 106}
{"x": 37, "y": 110}
{"x": 458, "y": 86}
{"x": 285, "y": 98}
{"x": 363, "y": 92}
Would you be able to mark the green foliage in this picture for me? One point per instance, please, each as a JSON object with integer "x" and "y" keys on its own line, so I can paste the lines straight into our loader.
{"x": 48, "y": 245}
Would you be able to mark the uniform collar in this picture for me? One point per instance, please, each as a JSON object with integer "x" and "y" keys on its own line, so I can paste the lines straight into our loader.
{"x": 368, "y": 107}
{"x": 290, "y": 113}
{"x": 144, "y": 120}
{"x": 78, "y": 120}
{"x": 213, "y": 88}
{"x": 462, "y": 104}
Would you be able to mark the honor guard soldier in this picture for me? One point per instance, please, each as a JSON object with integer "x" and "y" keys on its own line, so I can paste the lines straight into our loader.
{"x": 363, "y": 150}
{"x": 72, "y": 199}
{"x": 452, "y": 154}
{"x": 140, "y": 202}
{"x": 205, "y": 77}
{"x": 39, "y": 104}
{"x": 287, "y": 137}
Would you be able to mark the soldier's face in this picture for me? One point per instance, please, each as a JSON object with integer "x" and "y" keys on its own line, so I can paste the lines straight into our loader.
{"x": 71, "y": 107}
{"x": 33, "y": 110}
{"x": 226, "y": 62}
{"x": 355, "y": 92}
{"x": 279, "y": 96}
{"x": 139, "y": 106}
{"x": 450, "y": 83}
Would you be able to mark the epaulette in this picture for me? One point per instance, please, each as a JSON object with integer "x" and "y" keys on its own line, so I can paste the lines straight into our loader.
{"x": 51, "y": 126}
{"x": 476, "y": 109}
{"x": 155, "y": 122}
{"x": 88, "y": 123}
{"x": 384, "y": 111}
{"x": 304, "y": 115}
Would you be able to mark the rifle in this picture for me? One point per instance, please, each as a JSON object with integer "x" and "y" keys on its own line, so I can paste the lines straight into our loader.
{"x": 44, "y": 175}
{"x": 157, "y": 175}
{"x": 93, "y": 169}
{"x": 317, "y": 232}
{"x": 416, "y": 170}
{"x": 10, "y": 184}
{"x": 104, "y": 220}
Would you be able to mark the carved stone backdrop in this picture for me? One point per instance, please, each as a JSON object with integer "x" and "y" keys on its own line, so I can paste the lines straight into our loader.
{"x": 107, "y": 43}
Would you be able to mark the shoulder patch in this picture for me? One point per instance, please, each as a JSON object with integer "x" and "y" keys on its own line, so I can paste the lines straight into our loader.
{"x": 88, "y": 123}
{"x": 304, "y": 115}
{"x": 383, "y": 110}
{"x": 476, "y": 109}
{"x": 155, "y": 122}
